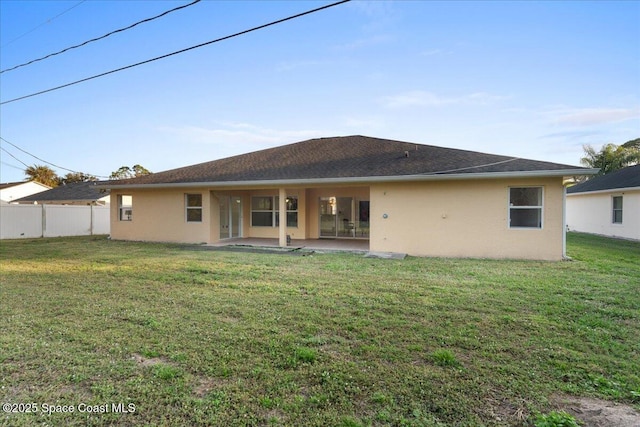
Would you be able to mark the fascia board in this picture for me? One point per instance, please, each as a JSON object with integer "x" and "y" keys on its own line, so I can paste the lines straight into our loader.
{"x": 359, "y": 180}
{"x": 608, "y": 190}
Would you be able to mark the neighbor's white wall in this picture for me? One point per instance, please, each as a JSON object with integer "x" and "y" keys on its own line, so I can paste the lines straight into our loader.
{"x": 19, "y": 191}
{"x": 28, "y": 221}
{"x": 592, "y": 213}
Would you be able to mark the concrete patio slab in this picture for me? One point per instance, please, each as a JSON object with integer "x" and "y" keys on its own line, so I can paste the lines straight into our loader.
{"x": 347, "y": 245}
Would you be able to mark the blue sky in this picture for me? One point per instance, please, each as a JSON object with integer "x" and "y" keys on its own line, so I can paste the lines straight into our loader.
{"x": 529, "y": 79}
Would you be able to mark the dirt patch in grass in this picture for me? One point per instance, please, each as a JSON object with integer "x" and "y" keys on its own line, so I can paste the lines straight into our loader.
{"x": 149, "y": 361}
{"x": 204, "y": 386}
{"x": 599, "y": 413}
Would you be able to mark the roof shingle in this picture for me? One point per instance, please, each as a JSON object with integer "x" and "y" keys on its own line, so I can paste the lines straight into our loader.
{"x": 624, "y": 178}
{"x": 345, "y": 157}
{"x": 78, "y": 191}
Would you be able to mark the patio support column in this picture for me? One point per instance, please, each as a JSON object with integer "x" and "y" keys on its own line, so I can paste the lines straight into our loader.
{"x": 282, "y": 209}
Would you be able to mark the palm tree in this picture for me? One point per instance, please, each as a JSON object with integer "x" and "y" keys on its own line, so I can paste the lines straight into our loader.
{"x": 43, "y": 174}
{"x": 611, "y": 157}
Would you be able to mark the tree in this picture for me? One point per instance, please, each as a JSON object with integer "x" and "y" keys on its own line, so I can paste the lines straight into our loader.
{"x": 43, "y": 174}
{"x": 612, "y": 157}
{"x": 125, "y": 172}
{"x": 634, "y": 143}
{"x": 140, "y": 170}
{"x": 73, "y": 177}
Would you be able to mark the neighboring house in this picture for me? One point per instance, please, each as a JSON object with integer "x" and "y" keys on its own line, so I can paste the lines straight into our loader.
{"x": 399, "y": 196}
{"x": 608, "y": 205}
{"x": 13, "y": 191}
{"x": 78, "y": 193}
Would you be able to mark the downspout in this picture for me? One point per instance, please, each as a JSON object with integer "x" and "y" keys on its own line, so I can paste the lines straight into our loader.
{"x": 564, "y": 222}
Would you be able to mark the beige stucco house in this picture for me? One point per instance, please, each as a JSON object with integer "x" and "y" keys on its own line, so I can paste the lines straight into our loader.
{"x": 399, "y": 196}
{"x": 608, "y": 205}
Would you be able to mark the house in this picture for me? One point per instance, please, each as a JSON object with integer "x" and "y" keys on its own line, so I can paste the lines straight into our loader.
{"x": 399, "y": 196}
{"x": 12, "y": 191}
{"x": 77, "y": 193}
{"x": 608, "y": 205}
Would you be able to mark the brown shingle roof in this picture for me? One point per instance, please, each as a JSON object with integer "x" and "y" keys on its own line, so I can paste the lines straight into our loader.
{"x": 345, "y": 157}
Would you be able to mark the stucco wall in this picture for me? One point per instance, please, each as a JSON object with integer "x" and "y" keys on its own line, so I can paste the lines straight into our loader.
{"x": 159, "y": 215}
{"x": 592, "y": 213}
{"x": 463, "y": 219}
{"x": 435, "y": 218}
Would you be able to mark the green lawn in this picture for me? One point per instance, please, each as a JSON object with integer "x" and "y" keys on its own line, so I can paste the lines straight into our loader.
{"x": 179, "y": 336}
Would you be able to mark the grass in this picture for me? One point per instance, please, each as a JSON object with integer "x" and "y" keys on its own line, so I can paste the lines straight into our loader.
{"x": 191, "y": 337}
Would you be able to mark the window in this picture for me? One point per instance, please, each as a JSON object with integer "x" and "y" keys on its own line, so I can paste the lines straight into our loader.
{"x": 525, "y": 207}
{"x": 617, "y": 210}
{"x": 292, "y": 212}
{"x": 264, "y": 211}
{"x": 194, "y": 207}
{"x": 125, "y": 207}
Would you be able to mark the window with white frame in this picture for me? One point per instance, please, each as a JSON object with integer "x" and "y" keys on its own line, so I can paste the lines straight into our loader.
{"x": 193, "y": 204}
{"x": 125, "y": 207}
{"x": 264, "y": 211}
{"x": 525, "y": 207}
{"x": 616, "y": 216}
{"x": 291, "y": 204}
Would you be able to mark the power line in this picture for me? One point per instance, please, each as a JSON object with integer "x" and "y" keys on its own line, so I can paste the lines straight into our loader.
{"x": 15, "y": 158}
{"x": 177, "y": 52}
{"x": 42, "y": 160}
{"x": 34, "y": 156}
{"x": 44, "y": 23}
{"x": 102, "y": 37}
{"x": 12, "y": 166}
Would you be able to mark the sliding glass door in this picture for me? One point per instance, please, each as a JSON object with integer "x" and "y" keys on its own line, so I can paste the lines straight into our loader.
{"x": 230, "y": 217}
{"x": 338, "y": 217}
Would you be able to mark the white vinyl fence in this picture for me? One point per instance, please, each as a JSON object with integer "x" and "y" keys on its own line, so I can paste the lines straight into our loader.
{"x": 28, "y": 221}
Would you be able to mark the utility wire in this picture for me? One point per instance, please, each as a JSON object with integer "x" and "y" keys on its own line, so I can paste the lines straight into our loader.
{"x": 102, "y": 37}
{"x": 512, "y": 159}
{"x": 42, "y": 160}
{"x": 44, "y": 23}
{"x": 177, "y": 52}
{"x": 12, "y": 166}
{"x": 15, "y": 158}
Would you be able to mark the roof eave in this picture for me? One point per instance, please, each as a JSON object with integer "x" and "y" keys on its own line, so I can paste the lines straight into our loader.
{"x": 359, "y": 180}
{"x": 606, "y": 190}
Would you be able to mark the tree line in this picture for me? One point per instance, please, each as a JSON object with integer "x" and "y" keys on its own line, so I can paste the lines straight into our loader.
{"x": 47, "y": 176}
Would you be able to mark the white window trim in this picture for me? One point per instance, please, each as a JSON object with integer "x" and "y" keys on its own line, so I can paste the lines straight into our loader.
{"x": 122, "y": 207}
{"x": 509, "y": 207}
{"x": 188, "y": 208}
{"x": 613, "y": 210}
{"x": 274, "y": 212}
